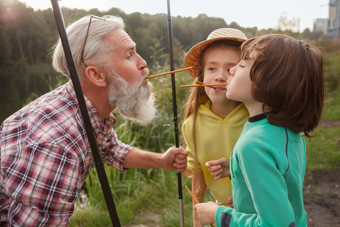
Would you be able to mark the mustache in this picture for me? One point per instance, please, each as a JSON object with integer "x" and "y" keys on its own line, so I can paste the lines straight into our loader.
{"x": 145, "y": 71}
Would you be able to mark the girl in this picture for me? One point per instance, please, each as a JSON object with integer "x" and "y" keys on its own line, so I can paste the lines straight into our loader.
{"x": 280, "y": 81}
{"x": 212, "y": 123}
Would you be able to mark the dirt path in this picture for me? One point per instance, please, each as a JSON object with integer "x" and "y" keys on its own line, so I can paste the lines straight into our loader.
{"x": 322, "y": 193}
{"x": 329, "y": 123}
{"x": 153, "y": 220}
{"x": 322, "y": 198}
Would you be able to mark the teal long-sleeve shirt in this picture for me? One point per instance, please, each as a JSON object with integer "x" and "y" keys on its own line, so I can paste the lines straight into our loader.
{"x": 267, "y": 171}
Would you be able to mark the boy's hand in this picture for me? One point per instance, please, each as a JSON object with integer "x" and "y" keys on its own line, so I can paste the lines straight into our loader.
{"x": 206, "y": 212}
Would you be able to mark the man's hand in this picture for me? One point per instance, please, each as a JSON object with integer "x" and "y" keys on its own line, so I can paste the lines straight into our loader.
{"x": 206, "y": 212}
{"x": 218, "y": 168}
{"x": 175, "y": 158}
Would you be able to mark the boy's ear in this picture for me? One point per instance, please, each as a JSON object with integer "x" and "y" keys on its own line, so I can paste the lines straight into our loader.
{"x": 96, "y": 76}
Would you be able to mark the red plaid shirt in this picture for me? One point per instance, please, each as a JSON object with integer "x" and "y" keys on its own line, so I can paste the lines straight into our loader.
{"x": 46, "y": 157}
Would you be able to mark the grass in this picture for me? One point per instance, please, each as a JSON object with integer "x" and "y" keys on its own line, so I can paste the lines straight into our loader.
{"x": 158, "y": 196}
{"x": 332, "y": 107}
{"x": 90, "y": 216}
{"x": 323, "y": 151}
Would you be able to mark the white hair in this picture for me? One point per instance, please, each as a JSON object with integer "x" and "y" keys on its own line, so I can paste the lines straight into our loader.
{"x": 95, "y": 46}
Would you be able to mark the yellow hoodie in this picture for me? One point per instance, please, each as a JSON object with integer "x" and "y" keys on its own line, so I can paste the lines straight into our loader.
{"x": 215, "y": 138}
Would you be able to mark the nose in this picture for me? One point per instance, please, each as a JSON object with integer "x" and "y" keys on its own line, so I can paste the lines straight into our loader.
{"x": 141, "y": 63}
{"x": 222, "y": 75}
{"x": 233, "y": 71}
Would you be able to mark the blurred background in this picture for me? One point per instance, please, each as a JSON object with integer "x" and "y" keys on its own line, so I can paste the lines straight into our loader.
{"x": 149, "y": 197}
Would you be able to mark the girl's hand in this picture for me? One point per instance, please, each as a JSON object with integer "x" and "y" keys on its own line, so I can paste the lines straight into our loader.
{"x": 206, "y": 212}
{"x": 218, "y": 168}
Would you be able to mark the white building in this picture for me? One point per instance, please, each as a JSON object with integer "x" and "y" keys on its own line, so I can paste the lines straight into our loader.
{"x": 320, "y": 25}
{"x": 333, "y": 30}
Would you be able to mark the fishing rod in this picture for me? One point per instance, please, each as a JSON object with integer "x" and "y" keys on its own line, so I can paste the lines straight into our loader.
{"x": 85, "y": 116}
{"x": 174, "y": 106}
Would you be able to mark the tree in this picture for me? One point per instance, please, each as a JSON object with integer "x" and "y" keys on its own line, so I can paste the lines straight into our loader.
{"x": 285, "y": 24}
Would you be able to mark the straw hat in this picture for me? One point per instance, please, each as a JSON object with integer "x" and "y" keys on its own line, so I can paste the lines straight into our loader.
{"x": 192, "y": 58}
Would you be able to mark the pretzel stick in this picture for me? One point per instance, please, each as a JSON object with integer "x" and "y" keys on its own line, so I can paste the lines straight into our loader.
{"x": 192, "y": 195}
{"x": 214, "y": 85}
{"x": 226, "y": 204}
{"x": 170, "y": 72}
{"x": 204, "y": 85}
{"x": 195, "y": 199}
{"x": 201, "y": 83}
{"x": 192, "y": 85}
{"x": 211, "y": 85}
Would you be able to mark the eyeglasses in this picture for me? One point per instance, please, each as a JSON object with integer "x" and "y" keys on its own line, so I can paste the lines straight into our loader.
{"x": 87, "y": 34}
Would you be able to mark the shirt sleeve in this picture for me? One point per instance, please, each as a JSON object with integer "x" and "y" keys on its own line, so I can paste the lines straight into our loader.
{"x": 267, "y": 188}
{"x": 112, "y": 151}
{"x": 192, "y": 160}
{"x": 42, "y": 183}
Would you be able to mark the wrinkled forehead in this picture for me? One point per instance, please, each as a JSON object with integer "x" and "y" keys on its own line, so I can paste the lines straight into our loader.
{"x": 118, "y": 40}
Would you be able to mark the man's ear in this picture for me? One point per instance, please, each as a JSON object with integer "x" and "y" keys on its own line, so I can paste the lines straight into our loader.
{"x": 96, "y": 75}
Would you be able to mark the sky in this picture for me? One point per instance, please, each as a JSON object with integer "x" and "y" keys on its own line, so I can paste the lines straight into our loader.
{"x": 263, "y": 14}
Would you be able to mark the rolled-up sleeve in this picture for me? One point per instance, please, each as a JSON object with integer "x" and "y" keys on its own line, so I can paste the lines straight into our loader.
{"x": 112, "y": 151}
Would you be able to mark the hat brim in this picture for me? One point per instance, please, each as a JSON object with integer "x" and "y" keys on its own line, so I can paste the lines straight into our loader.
{"x": 192, "y": 57}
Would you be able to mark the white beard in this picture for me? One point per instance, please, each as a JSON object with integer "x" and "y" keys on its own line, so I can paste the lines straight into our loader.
{"x": 135, "y": 103}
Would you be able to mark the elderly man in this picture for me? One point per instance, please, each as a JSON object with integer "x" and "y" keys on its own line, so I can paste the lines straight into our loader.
{"x": 45, "y": 153}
